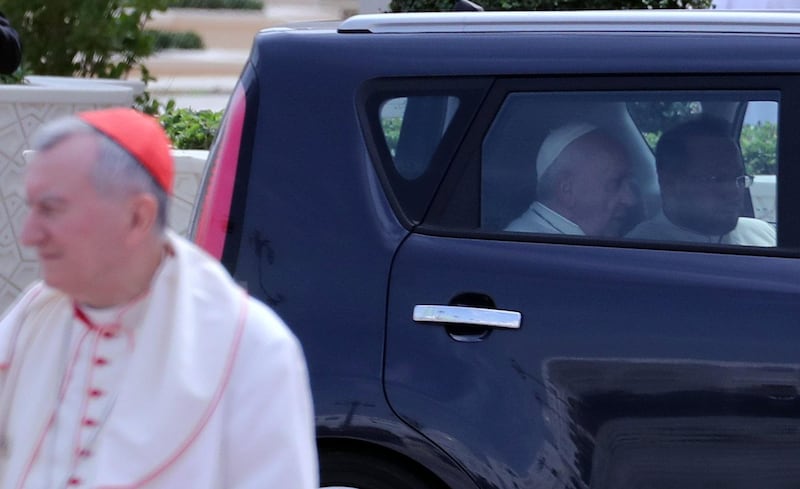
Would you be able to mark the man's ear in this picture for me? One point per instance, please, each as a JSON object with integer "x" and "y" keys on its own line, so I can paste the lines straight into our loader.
{"x": 566, "y": 190}
{"x": 143, "y": 215}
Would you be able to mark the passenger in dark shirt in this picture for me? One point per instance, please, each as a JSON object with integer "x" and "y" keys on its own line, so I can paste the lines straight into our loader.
{"x": 10, "y": 47}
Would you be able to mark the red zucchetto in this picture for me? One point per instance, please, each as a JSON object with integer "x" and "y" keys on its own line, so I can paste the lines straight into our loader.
{"x": 140, "y": 135}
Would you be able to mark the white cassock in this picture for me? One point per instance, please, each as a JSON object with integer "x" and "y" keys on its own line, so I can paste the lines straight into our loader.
{"x": 193, "y": 385}
{"x": 748, "y": 232}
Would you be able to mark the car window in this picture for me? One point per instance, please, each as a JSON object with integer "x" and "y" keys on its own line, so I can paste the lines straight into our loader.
{"x": 759, "y": 141}
{"x": 412, "y": 129}
{"x": 695, "y": 167}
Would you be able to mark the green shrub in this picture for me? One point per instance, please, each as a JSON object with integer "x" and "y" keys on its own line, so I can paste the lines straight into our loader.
{"x": 230, "y": 4}
{"x": 437, "y": 5}
{"x": 759, "y": 148}
{"x": 652, "y": 138}
{"x": 81, "y": 38}
{"x": 176, "y": 40}
{"x": 16, "y": 78}
{"x": 391, "y": 131}
{"x": 188, "y": 128}
{"x": 84, "y": 38}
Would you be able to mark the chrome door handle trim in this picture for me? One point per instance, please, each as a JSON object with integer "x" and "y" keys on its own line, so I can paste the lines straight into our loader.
{"x": 478, "y": 316}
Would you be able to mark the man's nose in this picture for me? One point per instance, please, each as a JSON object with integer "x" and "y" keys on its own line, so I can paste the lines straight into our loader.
{"x": 728, "y": 189}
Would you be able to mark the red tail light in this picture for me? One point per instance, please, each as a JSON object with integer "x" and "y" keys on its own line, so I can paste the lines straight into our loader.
{"x": 211, "y": 220}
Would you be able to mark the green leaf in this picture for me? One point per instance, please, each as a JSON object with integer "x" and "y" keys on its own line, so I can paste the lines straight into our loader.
{"x": 82, "y": 37}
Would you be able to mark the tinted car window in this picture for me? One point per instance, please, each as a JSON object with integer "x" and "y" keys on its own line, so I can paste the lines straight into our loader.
{"x": 586, "y": 164}
{"x": 759, "y": 142}
{"x": 413, "y": 128}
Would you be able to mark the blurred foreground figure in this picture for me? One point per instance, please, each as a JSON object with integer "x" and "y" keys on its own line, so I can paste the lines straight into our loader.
{"x": 138, "y": 362}
{"x": 10, "y": 47}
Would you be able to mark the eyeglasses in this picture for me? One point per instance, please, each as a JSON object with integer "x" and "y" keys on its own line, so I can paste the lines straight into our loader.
{"x": 742, "y": 181}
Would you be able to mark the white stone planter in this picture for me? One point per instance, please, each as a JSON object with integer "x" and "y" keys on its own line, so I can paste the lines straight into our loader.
{"x": 189, "y": 167}
{"x": 53, "y": 83}
{"x": 23, "y": 108}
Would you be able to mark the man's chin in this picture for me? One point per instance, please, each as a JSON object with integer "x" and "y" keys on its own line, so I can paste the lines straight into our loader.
{"x": 52, "y": 279}
{"x": 619, "y": 226}
{"x": 723, "y": 227}
{"x": 50, "y": 282}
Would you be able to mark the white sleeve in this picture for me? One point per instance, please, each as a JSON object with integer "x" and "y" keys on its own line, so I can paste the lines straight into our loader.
{"x": 10, "y": 322}
{"x": 269, "y": 425}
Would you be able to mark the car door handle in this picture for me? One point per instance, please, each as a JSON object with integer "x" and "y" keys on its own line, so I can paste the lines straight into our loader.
{"x": 478, "y": 316}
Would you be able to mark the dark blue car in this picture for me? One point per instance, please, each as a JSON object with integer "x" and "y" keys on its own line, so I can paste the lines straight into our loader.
{"x": 528, "y": 250}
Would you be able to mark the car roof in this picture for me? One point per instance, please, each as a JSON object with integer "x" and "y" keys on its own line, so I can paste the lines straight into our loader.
{"x": 650, "y": 21}
{"x": 535, "y": 43}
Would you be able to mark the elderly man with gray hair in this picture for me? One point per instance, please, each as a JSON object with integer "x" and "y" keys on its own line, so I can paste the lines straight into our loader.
{"x": 584, "y": 185}
{"x": 138, "y": 361}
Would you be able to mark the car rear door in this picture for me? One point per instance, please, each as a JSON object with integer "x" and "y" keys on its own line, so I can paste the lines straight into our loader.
{"x": 544, "y": 360}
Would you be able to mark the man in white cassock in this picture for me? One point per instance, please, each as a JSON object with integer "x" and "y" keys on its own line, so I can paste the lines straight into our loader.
{"x": 703, "y": 188}
{"x": 138, "y": 362}
{"x": 584, "y": 185}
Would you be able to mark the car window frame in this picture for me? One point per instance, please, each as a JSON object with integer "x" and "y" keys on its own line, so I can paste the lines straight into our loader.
{"x": 400, "y": 192}
{"x": 465, "y": 173}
